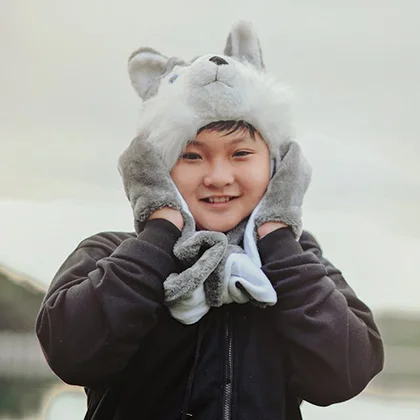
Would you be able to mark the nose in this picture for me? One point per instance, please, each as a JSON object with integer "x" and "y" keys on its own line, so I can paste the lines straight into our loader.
{"x": 218, "y": 60}
{"x": 218, "y": 176}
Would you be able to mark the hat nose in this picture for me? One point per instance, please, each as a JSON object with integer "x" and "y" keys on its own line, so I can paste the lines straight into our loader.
{"x": 218, "y": 60}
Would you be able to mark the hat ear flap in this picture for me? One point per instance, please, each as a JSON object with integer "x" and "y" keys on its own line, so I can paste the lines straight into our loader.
{"x": 243, "y": 43}
{"x": 145, "y": 65}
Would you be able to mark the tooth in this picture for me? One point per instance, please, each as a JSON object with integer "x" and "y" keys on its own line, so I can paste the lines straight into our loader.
{"x": 219, "y": 199}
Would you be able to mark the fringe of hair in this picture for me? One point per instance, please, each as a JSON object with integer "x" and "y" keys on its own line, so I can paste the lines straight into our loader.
{"x": 230, "y": 126}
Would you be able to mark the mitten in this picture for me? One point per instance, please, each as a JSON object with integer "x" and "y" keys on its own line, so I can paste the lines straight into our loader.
{"x": 147, "y": 183}
{"x": 283, "y": 199}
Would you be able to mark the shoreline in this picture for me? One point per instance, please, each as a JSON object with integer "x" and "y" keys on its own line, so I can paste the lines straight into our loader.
{"x": 375, "y": 391}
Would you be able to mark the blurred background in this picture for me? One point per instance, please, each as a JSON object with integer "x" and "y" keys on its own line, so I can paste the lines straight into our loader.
{"x": 67, "y": 111}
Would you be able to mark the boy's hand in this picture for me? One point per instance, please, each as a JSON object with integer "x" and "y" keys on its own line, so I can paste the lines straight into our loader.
{"x": 171, "y": 215}
{"x": 147, "y": 184}
{"x": 269, "y": 227}
{"x": 283, "y": 199}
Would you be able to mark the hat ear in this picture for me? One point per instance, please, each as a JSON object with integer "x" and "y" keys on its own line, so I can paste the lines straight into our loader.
{"x": 243, "y": 43}
{"x": 145, "y": 65}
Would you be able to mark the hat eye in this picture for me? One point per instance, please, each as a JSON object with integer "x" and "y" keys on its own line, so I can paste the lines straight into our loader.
{"x": 172, "y": 78}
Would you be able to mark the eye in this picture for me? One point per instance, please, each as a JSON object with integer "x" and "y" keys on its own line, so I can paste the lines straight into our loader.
{"x": 172, "y": 78}
{"x": 242, "y": 153}
{"x": 190, "y": 156}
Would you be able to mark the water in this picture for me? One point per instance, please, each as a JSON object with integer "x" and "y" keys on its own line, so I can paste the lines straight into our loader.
{"x": 364, "y": 407}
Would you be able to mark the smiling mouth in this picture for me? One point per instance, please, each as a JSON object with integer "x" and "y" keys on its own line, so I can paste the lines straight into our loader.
{"x": 218, "y": 200}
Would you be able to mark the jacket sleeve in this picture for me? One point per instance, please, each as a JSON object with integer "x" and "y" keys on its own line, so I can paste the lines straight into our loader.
{"x": 334, "y": 347}
{"x": 103, "y": 301}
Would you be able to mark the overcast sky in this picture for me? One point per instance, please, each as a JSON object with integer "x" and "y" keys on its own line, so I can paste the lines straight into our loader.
{"x": 67, "y": 111}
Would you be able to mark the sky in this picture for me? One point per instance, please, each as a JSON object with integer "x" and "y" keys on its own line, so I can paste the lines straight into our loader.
{"x": 67, "y": 111}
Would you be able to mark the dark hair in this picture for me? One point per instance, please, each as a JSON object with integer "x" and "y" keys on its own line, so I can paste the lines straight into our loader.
{"x": 230, "y": 127}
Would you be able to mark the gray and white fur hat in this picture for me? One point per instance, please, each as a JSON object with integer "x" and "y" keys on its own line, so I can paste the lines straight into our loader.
{"x": 181, "y": 97}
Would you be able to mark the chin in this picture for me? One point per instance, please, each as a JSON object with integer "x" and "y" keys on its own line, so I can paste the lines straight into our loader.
{"x": 217, "y": 227}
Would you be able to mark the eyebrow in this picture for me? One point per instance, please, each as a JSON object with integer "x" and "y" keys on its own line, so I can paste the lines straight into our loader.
{"x": 204, "y": 145}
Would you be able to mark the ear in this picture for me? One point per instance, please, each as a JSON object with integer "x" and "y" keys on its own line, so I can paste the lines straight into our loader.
{"x": 145, "y": 65}
{"x": 243, "y": 43}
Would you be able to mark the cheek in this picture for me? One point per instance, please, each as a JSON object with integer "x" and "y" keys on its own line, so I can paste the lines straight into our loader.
{"x": 257, "y": 180}
{"x": 260, "y": 186}
{"x": 184, "y": 179}
{"x": 265, "y": 172}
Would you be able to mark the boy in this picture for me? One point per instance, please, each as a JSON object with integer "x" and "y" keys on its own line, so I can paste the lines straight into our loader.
{"x": 104, "y": 325}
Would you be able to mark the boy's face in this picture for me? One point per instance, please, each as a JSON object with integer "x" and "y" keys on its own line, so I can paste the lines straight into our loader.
{"x": 222, "y": 177}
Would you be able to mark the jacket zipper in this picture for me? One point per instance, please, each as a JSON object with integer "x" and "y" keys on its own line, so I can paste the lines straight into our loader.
{"x": 227, "y": 392}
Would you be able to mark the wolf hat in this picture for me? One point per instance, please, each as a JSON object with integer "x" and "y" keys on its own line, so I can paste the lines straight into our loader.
{"x": 179, "y": 98}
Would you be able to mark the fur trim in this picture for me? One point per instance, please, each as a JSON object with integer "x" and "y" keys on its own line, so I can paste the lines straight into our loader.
{"x": 174, "y": 116}
{"x": 181, "y": 98}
